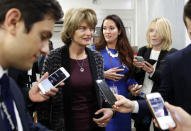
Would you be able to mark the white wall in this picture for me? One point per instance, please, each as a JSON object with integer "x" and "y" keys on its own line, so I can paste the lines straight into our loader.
{"x": 100, "y": 4}
{"x": 136, "y": 14}
{"x": 147, "y": 10}
{"x": 122, "y": 8}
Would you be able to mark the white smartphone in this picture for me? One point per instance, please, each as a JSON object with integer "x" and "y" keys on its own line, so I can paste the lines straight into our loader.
{"x": 159, "y": 111}
{"x": 139, "y": 58}
{"x": 53, "y": 80}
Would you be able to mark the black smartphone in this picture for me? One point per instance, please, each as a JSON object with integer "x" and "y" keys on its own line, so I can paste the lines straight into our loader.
{"x": 151, "y": 61}
{"x": 107, "y": 93}
{"x": 97, "y": 116}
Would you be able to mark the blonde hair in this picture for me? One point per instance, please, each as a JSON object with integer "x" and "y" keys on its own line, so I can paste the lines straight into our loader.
{"x": 164, "y": 30}
{"x": 72, "y": 20}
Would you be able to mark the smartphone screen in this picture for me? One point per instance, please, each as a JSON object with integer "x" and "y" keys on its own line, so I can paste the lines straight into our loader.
{"x": 54, "y": 80}
{"x": 139, "y": 58}
{"x": 159, "y": 111}
{"x": 158, "y": 107}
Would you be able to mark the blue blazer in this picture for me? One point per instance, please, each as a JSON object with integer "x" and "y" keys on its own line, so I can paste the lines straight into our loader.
{"x": 175, "y": 86}
{"x": 26, "y": 120}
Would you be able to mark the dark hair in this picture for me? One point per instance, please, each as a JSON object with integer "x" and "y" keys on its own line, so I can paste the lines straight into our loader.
{"x": 32, "y": 11}
{"x": 187, "y": 11}
{"x": 123, "y": 46}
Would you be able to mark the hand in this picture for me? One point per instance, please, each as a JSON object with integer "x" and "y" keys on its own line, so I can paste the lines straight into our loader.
{"x": 112, "y": 74}
{"x": 148, "y": 67}
{"x": 36, "y": 95}
{"x": 181, "y": 118}
{"x": 104, "y": 120}
{"x": 135, "y": 89}
{"x": 123, "y": 104}
{"x": 137, "y": 63}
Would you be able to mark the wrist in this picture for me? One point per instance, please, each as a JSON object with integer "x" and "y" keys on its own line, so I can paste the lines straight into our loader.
{"x": 135, "y": 107}
{"x": 114, "y": 112}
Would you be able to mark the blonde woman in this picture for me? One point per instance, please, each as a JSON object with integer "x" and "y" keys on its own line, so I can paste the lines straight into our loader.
{"x": 73, "y": 107}
{"x": 159, "y": 38}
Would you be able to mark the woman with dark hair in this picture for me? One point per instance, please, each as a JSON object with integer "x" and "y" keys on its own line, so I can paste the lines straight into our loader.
{"x": 118, "y": 65}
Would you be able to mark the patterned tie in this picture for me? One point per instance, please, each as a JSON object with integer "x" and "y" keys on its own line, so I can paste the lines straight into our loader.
{"x": 7, "y": 98}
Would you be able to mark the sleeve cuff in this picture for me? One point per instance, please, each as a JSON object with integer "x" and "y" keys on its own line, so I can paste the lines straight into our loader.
{"x": 136, "y": 108}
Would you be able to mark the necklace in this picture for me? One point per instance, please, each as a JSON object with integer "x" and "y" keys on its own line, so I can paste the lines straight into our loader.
{"x": 81, "y": 66}
{"x": 109, "y": 52}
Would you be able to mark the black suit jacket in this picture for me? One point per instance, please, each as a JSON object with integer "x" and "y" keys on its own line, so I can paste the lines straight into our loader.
{"x": 26, "y": 120}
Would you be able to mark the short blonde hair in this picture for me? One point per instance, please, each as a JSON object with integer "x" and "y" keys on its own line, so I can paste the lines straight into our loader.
{"x": 163, "y": 27}
{"x": 72, "y": 20}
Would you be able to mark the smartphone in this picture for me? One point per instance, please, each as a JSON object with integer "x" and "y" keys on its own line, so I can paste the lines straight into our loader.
{"x": 97, "y": 116}
{"x": 139, "y": 58}
{"x": 159, "y": 111}
{"x": 122, "y": 67}
{"x": 53, "y": 80}
{"x": 107, "y": 93}
{"x": 151, "y": 61}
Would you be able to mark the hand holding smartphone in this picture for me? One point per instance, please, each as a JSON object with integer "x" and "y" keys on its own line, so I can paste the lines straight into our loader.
{"x": 53, "y": 80}
{"x": 122, "y": 67}
{"x": 159, "y": 111}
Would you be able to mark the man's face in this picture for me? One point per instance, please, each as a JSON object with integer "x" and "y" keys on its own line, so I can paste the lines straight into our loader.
{"x": 188, "y": 26}
{"x": 23, "y": 49}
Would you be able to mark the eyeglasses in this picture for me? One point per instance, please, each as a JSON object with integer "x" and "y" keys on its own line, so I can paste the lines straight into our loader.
{"x": 84, "y": 28}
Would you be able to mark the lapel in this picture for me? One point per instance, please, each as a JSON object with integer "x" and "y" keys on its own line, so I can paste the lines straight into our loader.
{"x": 19, "y": 102}
{"x": 94, "y": 71}
{"x": 147, "y": 53}
{"x": 162, "y": 55}
{"x": 92, "y": 64}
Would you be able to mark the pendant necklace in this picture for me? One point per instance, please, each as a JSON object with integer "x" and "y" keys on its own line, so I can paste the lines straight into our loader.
{"x": 81, "y": 66}
{"x": 111, "y": 54}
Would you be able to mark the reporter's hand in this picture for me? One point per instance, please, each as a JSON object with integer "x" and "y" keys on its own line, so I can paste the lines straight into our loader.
{"x": 36, "y": 95}
{"x": 135, "y": 89}
{"x": 181, "y": 118}
{"x": 123, "y": 104}
{"x": 105, "y": 119}
{"x": 112, "y": 74}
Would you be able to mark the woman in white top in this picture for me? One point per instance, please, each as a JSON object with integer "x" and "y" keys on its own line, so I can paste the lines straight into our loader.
{"x": 147, "y": 73}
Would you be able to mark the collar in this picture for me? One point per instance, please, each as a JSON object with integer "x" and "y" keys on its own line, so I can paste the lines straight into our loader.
{"x": 2, "y": 71}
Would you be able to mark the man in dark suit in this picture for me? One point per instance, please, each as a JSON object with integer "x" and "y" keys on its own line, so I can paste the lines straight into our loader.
{"x": 175, "y": 86}
{"x": 25, "y": 28}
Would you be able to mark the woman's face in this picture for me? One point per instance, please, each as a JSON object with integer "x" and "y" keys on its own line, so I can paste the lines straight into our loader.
{"x": 110, "y": 31}
{"x": 83, "y": 35}
{"x": 155, "y": 38}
